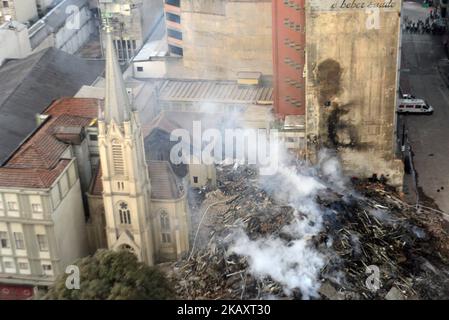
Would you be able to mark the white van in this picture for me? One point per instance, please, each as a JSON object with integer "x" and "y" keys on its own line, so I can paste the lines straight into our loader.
{"x": 414, "y": 106}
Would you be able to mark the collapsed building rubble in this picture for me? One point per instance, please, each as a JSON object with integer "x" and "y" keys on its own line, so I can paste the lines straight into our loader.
{"x": 367, "y": 228}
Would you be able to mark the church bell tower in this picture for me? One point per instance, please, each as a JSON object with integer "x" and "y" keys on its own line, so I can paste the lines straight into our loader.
{"x": 126, "y": 183}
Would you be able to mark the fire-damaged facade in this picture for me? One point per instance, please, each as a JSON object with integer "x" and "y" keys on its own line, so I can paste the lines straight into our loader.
{"x": 349, "y": 42}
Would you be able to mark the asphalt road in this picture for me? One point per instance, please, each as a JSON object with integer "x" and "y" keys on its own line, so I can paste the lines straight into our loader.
{"x": 429, "y": 135}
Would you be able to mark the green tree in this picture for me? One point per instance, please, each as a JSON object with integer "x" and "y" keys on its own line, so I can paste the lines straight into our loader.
{"x": 113, "y": 275}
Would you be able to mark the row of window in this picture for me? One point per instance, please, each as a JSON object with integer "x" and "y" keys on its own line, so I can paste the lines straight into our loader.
{"x": 19, "y": 241}
{"x": 24, "y": 267}
{"x": 13, "y": 206}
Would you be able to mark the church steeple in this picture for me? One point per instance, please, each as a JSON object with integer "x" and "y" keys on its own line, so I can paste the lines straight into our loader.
{"x": 117, "y": 106}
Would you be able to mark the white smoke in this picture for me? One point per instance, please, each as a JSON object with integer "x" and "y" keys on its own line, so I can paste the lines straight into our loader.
{"x": 296, "y": 264}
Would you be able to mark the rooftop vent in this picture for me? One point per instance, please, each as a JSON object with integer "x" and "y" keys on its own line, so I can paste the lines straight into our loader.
{"x": 249, "y": 78}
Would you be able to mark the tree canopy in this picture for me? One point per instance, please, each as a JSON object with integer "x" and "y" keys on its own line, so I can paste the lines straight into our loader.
{"x": 113, "y": 275}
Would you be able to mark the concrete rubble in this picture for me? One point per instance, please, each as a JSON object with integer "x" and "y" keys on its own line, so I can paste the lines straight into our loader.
{"x": 369, "y": 227}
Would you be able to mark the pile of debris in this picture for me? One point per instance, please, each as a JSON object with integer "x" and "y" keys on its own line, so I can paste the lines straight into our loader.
{"x": 366, "y": 231}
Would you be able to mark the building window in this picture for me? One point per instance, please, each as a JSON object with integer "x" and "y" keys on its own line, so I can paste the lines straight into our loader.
{"x": 175, "y": 50}
{"x": 5, "y": 4}
{"x": 23, "y": 266}
{"x": 42, "y": 242}
{"x": 165, "y": 227}
{"x": 174, "y": 34}
{"x": 175, "y": 3}
{"x": 9, "y": 265}
{"x": 1, "y": 205}
{"x": 36, "y": 207}
{"x": 195, "y": 179}
{"x": 93, "y": 137}
{"x": 46, "y": 267}
{"x": 140, "y": 69}
{"x": 124, "y": 213}
{"x": 12, "y": 206}
{"x": 20, "y": 242}
{"x": 4, "y": 241}
{"x": 173, "y": 17}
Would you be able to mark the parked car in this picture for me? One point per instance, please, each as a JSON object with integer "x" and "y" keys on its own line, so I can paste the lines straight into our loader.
{"x": 408, "y": 96}
{"x": 415, "y": 106}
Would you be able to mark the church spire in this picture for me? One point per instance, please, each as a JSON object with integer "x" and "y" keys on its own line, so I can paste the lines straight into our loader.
{"x": 117, "y": 105}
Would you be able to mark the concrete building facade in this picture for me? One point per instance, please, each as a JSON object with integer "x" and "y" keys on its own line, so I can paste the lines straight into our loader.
{"x": 14, "y": 40}
{"x": 224, "y": 37}
{"x": 42, "y": 217}
{"x": 23, "y": 11}
{"x": 352, "y": 59}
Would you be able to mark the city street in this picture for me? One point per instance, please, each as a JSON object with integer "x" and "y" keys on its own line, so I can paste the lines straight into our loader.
{"x": 429, "y": 135}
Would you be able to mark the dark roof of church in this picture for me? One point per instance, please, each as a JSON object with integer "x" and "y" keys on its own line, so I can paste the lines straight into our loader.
{"x": 165, "y": 185}
{"x": 29, "y": 85}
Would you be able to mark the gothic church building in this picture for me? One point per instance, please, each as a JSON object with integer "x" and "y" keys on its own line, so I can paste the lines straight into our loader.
{"x": 140, "y": 204}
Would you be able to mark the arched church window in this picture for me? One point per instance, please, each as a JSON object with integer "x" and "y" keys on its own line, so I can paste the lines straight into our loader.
{"x": 124, "y": 213}
{"x": 118, "y": 161}
{"x": 165, "y": 227}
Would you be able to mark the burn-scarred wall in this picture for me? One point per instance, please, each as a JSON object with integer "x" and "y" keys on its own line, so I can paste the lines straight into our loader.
{"x": 351, "y": 82}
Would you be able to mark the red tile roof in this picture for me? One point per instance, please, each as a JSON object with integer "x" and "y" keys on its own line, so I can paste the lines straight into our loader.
{"x": 37, "y": 162}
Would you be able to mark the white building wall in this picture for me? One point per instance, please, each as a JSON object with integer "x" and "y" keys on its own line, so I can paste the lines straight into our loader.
{"x": 26, "y": 10}
{"x": 14, "y": 42}
{"x": 57, "y": 215}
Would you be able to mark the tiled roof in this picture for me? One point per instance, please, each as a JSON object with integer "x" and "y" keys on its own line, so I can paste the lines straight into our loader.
{"x": 37, "y": 162}
{"x": 31, "y": 177}
{"x": 29, "y": 85}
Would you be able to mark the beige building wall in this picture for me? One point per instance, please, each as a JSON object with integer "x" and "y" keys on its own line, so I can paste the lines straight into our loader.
{"x": 179, "y": 228}
{"x": 211, "y": 48}
{"x": 202, "y": 174}
{"x": 351, "y": 83}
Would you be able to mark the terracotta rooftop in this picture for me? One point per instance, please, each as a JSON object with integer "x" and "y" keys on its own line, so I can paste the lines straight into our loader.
{"x": 38, "y": 161}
